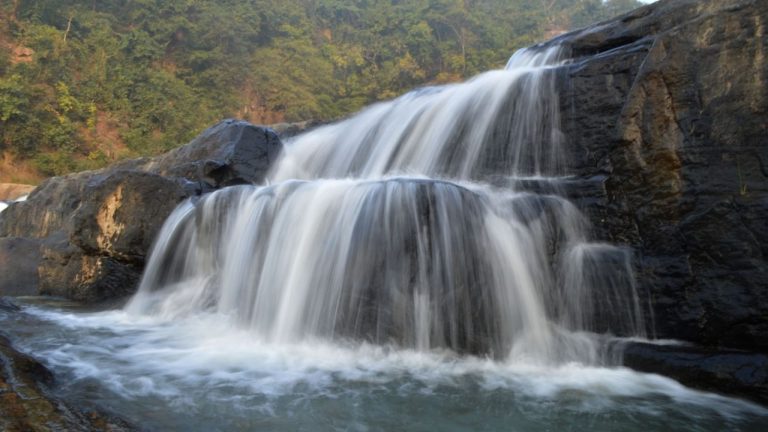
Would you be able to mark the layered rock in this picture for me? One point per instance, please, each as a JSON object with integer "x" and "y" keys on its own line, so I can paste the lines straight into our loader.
{"x": 666, "y": 112}
{"x": 85, "y": 236}
{"x": 734, "y": 372}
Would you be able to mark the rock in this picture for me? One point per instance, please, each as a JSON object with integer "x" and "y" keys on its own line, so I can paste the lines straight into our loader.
{"x": 85, "y": 236}
{"x": 19, "y": 258}
{"x": 26, "y": 403}
{"x": 13, "y": 191}
{"x": 228, "y": 153}
{"x": 737, "y": 373}
{"x": 668, "y": 105}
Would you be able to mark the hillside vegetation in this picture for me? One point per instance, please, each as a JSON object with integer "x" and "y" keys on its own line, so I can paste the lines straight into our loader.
{"x": 84, "y": 83}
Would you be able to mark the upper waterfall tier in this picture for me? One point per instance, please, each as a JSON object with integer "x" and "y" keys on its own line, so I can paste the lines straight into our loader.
{"x": 500, "y": 121}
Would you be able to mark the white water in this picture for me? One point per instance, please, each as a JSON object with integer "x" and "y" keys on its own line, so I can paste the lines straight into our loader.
{"x": 207, "y": 373}
{"x": 504, "y": 119}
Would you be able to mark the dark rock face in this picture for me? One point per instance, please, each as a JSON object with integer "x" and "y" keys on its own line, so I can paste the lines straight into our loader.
{"x": 666, "y": 111}
{"x": 228, "y": 153}
{"x": 87, "y": 233}
{"x": 85, "y": 236}
{"x": 19, "y": 258}
{"x": 735, "y": 372}
{"x": 26, "y": 403}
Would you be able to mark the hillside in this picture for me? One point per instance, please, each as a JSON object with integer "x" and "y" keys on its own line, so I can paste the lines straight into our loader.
{"x": 86, "y": 83}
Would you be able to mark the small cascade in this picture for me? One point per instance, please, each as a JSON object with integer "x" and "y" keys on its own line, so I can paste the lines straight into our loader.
{"x": 500, "y": 121}
{"x": 381, "y": 228}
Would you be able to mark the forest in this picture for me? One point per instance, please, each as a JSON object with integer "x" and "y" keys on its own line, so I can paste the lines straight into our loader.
{"x": 84, "y": 83}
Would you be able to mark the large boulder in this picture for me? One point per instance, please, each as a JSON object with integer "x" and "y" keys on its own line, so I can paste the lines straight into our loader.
{"x": 87, "y": 233}
{"x": 85, "y": 236}
{"x": 228, "y": 153}
{"x": 666, "y": 110}
{"x": 19, "y": 259}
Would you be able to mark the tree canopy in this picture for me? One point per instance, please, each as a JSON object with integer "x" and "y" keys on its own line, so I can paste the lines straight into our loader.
{"x": 84, "y": 82}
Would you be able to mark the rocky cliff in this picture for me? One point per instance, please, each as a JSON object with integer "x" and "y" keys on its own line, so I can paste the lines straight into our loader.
{"x": 666, "y": 115}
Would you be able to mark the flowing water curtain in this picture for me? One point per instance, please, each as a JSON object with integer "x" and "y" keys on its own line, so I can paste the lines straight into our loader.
{"x": 356, "y": 252}
{"x": 504, "y": 121}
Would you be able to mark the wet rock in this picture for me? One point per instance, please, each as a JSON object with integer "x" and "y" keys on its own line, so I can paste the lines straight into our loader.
{"x": 19, "y": 258}
{"x": 26, "y": 403}
{"x": 230, "y": 152}
{"x": 738, "y": 373}
{"x": 85, "y": 236}
{"x": 668, "y": 104}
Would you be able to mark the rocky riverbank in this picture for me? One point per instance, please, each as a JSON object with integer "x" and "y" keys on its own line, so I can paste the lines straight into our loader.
{"x": 27, "y": 402}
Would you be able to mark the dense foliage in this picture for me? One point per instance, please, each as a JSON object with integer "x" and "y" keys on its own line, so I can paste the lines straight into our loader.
{"x": 85, "y": 82}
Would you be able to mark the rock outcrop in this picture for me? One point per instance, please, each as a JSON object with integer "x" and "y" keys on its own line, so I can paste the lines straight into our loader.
{"x": 734, "y": 372}
{"x": 666, "y": 114}
{"x": 85, "y": 236}
{"x": 666, "y": 109}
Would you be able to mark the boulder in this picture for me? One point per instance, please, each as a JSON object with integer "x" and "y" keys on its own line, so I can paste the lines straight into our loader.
{"x": 228, "y": 153}
{"x": 666, "y": 107}
{"x": 85, "y": 236}
{"x": 19, "y": 259}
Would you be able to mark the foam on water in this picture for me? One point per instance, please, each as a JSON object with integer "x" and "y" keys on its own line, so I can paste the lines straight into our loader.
{"x": 208, "y": 361}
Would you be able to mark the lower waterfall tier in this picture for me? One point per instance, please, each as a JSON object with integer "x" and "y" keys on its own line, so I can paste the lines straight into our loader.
{"x": 412, "y": 262}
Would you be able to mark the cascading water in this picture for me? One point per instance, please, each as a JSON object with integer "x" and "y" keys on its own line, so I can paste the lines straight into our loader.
{"x": 415, "y": 267}
{"x": 375, "y": 229}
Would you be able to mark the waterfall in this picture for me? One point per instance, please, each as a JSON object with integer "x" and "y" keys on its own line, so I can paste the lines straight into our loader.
{"x": 382, "y": 228}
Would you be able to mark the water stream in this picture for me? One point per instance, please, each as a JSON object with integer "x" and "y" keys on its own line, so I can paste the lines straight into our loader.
{"x": 383, "y": 280}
